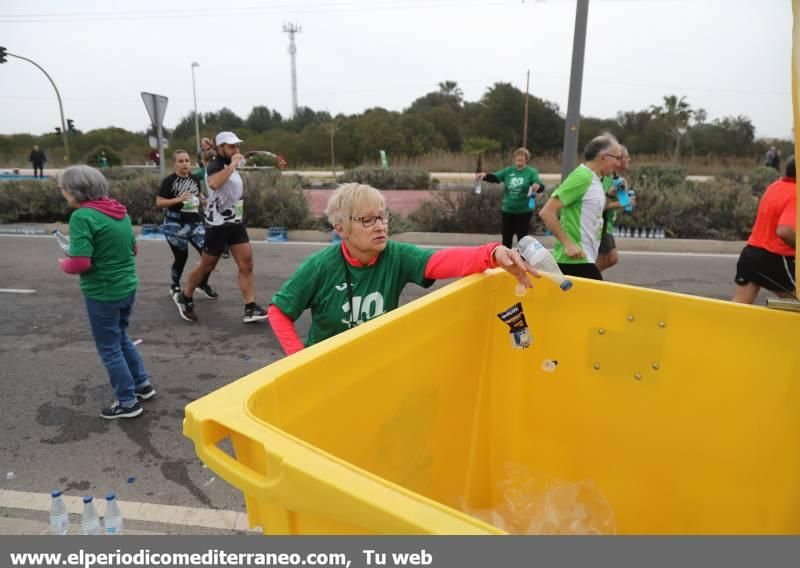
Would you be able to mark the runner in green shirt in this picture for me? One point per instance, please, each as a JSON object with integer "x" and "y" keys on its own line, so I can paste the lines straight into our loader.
{"x": 608, "y": 255}
{"x": 579, "y": 202}
{"x": 349, "y": 284}
{"x": 520, "y": 183}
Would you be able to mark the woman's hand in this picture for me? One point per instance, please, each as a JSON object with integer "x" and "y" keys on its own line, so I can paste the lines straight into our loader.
{"x": 513, "y": 263}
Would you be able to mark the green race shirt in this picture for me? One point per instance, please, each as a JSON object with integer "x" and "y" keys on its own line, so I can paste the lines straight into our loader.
{"x": 609, "y": 215}
{"x": 516, "y": 185}
{"x": 321, "y": 285}
{"x": 583, "y": 200}
{"x": 110, "y": 244}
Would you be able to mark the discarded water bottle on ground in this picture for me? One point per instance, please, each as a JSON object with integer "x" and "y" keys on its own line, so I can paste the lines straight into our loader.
{"x": 63, "y": 240}
{"x": 90, "y": 521}
{"x": 112, "y": 522}
{"x": 540, "y": 258}
{"x": 59, "y": 518}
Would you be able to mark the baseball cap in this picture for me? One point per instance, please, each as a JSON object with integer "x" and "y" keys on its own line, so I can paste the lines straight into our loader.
{"x": 227, "y": 138}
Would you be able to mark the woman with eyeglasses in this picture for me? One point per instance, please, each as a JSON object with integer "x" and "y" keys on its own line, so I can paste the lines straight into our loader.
{"x": 362, "y": 278}
{"x": 574, "y": 212}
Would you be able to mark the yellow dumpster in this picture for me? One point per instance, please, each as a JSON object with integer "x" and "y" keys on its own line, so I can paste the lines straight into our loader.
{"x": 683, "y": 412}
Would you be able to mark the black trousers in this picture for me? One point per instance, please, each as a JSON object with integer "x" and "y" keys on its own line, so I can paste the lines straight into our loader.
{"x": 583, "y": 270}
{"x": 515, "y": 224}
{"x": 39, "y": 168}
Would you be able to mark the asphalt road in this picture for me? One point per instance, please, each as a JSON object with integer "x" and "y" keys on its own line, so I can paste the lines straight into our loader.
{"x": 52, "y": 384}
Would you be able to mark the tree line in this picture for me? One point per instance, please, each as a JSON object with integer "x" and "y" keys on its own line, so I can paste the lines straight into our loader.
{"x": 441, "y": 120}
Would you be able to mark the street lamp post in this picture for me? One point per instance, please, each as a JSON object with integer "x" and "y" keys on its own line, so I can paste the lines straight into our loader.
{"x": 196, "y": 118}
{"x": 64, "y": 132}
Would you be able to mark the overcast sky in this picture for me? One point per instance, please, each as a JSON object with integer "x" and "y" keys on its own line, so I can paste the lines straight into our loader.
{"x": 731, "y": 57}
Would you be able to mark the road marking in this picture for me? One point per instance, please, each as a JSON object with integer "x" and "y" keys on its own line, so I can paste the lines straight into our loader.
{"x": 135, "y": 511}
{"x": 17, "y": 290}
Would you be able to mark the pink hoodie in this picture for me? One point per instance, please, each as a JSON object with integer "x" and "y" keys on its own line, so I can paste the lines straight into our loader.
{"x": 108, "y": 206}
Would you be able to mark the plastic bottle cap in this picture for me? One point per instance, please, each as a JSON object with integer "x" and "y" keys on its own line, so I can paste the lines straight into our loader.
{"x": 56, "y": 493}
{"x": 566, "y": 285}
{"x": 111, "y": 496}
{"x": 87, "y": 499}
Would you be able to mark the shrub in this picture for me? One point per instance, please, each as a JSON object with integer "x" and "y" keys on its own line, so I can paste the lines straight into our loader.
{"x": 761, "y": 177}
{"x": 667, "y": 175}
{"x": 270, "y": 200}
{"x": 392, "y": 178}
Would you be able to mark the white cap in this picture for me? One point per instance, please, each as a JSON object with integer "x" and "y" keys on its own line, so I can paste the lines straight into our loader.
{"x": 227, "y": 138}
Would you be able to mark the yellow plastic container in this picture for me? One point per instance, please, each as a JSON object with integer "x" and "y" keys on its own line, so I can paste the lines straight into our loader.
{"x": 684, "y": 411}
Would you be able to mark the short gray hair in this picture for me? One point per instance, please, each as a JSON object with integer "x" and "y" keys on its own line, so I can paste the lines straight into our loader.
{"x": 349, "y": 199}
{"x": 598, "y": 145}
{"x": 84, "y": 183}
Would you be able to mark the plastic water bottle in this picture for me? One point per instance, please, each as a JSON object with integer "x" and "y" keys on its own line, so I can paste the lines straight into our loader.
{"x": 532, "y": 202}
{"x": 112, "y": 522}
{"x": 63, "y": 240}
{"x": 549, "y": 365}
{"x": 90, "y": 521}
{"x": 540, "y": 258}
{"x": 59, "y": 518}
{"x": 477, "y": 186}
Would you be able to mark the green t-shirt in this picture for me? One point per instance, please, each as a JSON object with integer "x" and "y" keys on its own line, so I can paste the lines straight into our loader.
{"x": 110, "y": 244}
{"x": 609, "y": 215}
{"x": 583, "y": 200}
{"x": 321, "y": 285}
{"x": 517, "y": 183}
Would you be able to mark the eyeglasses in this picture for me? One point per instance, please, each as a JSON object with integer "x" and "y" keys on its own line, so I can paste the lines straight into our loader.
{"x": 618, "y": 158}
{"x": 368, "y": 221}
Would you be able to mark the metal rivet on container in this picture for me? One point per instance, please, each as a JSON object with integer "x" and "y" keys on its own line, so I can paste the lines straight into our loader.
{"x": 601, "y": 331}
{"x": 630, "y": 318}
{"x": 662, "y": 324}
{"x": 596, "y": 366}
{"x": 655, "y": 366}
{"x": 637, "y": 376}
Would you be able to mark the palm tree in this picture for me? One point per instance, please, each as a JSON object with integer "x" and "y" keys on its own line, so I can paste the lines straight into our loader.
{"x": 451, "y": 89}
{"x": 675, "y": 115}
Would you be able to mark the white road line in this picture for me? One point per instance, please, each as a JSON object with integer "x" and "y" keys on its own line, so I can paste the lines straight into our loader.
{"x": 17, "y": 290}
{"x": 131, "y": 510}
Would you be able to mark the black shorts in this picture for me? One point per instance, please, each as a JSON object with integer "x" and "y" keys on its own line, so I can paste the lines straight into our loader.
{"x": 583, "y": 270}
{"x": 766, "y": 269}
{"x": 220, "y": 237}
{"x": 607, "y": 243}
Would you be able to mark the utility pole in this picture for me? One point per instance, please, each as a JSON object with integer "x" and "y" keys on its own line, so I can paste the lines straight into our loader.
{"x": 525, "y": 122}
{"x": 64, "y": 131}
{"x": 292, "y": 29}
{"x": 331, "y": 128}
{"x": 572, "y": 123}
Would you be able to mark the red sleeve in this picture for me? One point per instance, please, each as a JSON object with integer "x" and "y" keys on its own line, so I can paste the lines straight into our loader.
{"x": 789, "y": 215}
{"x": 284, "y": 330}
{"x": 75, "y": 264}
{"x": 460, "y": 261}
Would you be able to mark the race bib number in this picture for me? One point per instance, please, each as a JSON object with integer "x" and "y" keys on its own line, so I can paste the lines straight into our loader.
{"x": 238, "y": 210}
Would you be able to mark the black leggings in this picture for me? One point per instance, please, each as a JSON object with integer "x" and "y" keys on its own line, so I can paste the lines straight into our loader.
{"x": 515, "y": 224}
{"x": 181, "y": 256}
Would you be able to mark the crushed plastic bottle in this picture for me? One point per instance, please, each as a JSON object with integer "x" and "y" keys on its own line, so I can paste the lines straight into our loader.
{"x": 549, "y": 365}
{"x": 59, "y": 517}
{"x": 540, "y": 258}
{"x": 112, "y": 521}
{"x": 520, "y": 290}
{"x": 90, "y": 521}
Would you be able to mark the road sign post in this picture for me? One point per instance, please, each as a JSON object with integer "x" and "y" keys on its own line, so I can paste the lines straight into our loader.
{"x": 156, "y": 106}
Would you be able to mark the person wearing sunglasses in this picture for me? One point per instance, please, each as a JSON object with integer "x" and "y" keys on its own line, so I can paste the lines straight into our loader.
{"x": 574, "y": 212}
{"x": 348, "y": 284}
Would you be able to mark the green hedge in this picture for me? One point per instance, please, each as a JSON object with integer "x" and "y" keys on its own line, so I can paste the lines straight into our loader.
{"x": 392, "y": 178}
{"x": 271, "y": 200}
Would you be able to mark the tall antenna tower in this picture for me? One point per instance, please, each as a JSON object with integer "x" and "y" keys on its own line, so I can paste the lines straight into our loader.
{"x": 292, "y": 29}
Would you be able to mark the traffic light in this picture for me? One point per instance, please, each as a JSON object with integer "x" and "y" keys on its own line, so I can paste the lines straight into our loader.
{"x": 70, "y": 125}
{"x": 2, "y": 54}
{"x": 58, "y": 131}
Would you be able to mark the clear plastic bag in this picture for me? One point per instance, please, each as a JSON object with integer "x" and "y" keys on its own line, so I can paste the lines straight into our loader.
{"x": 531, "y": 504}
